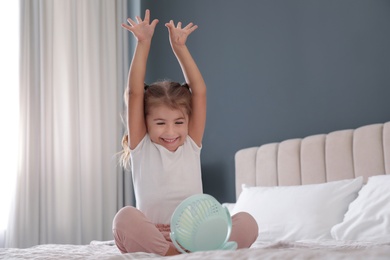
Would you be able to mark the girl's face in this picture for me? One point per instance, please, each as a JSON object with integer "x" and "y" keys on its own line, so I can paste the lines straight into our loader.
{"x": 167, "y": 127}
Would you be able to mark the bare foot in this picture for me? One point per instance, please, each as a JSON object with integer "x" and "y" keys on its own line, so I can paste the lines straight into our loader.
{"x": 172, "y": 250}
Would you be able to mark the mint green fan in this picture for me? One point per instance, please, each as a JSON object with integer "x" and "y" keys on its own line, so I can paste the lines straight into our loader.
{"x": 200, "y": 223}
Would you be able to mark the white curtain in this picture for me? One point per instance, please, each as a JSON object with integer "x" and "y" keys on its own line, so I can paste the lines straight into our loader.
{"x": 74, "y": 62}
{"x": 9, "y": 107}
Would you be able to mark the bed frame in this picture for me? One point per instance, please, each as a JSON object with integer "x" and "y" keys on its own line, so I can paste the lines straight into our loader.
{"x": 342, "y": 154}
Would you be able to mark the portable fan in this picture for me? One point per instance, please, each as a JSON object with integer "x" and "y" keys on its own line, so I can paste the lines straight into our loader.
{"x": 200, "y": 223}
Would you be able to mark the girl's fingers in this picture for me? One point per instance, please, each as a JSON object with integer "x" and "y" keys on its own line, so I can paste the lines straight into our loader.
{"x": 127, "y": 27}
{"x": 188, "y": 26}
{"x": 139, "y": 20}
{"x": 131, "y": 22}
{"x": 154, "y": 22}
{"x": 170, "y": 25}
{"x": 147, "y": 15}
{"x": 193, "y": 28}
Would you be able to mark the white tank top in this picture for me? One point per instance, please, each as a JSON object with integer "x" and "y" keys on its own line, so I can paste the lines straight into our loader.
{"x": 162, "y": 179}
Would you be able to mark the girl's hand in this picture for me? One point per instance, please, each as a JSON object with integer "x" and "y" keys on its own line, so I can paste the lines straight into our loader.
{"x": 177, "y": 35}
{"x": 143, "y": 30}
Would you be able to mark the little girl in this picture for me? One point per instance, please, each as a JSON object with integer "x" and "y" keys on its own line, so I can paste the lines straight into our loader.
{"x": 166, "y": 122}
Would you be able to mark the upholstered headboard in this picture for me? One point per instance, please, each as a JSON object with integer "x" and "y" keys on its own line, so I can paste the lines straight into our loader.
{"x": 342, "y": 154}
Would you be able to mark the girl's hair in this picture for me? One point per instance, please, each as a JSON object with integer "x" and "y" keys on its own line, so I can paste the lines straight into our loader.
{"x": 167, "y": 93}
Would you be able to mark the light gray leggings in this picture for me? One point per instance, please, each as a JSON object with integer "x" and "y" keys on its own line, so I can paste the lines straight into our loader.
{"x": 133, "y": 232}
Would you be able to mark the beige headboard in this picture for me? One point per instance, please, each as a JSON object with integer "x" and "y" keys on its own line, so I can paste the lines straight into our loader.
{"x": 342, "y": 154}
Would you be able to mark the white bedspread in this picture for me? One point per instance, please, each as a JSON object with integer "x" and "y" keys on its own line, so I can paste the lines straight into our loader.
{"x": 275, "y": 250}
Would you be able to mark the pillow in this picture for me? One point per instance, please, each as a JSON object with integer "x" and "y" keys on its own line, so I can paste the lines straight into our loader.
{"x": 298, "y": 212}
{"x": 368, "y": 217}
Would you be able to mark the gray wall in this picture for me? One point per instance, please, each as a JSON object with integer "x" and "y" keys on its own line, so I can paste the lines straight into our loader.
{"x": 278, "y": 69}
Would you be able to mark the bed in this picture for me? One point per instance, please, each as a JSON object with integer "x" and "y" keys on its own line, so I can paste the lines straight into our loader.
{"x": 324, "y": 196}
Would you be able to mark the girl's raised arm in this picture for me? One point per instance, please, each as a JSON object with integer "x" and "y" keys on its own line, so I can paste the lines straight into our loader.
{"x": 178, "y": 37}
{"x": 143, "y": 30}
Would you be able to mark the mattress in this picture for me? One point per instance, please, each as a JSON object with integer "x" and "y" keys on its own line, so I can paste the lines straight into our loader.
{"x": 260, "y": 250}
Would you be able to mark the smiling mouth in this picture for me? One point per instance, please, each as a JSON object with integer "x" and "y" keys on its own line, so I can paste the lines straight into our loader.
{"x": 170, "y": 140}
